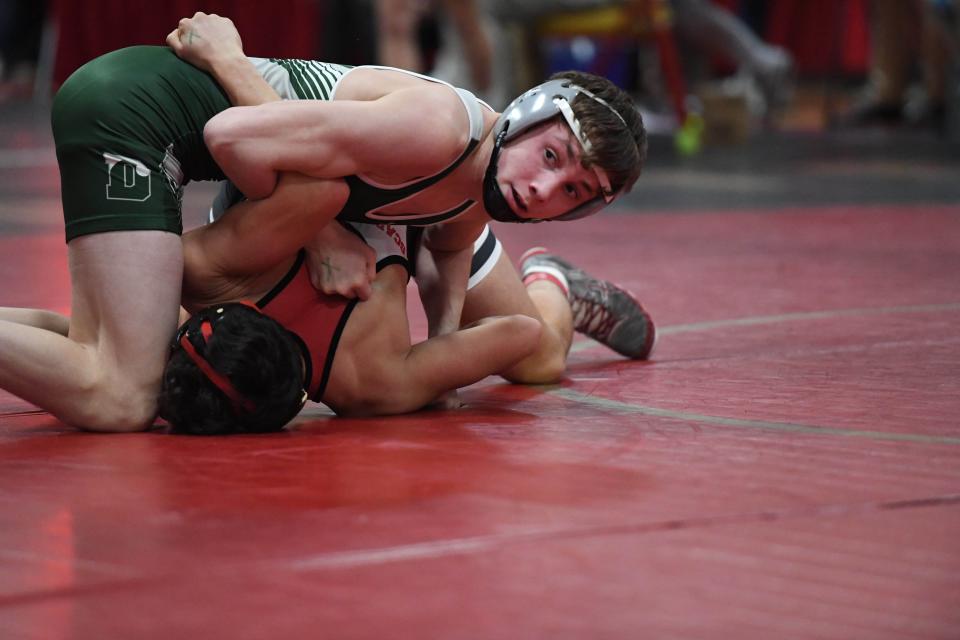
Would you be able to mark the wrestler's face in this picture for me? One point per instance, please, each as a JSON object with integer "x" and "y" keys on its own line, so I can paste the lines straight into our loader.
{"x": 540, "y": 173}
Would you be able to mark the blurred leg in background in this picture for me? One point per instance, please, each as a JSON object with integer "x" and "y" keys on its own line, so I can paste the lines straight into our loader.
{"x": 397, "y": 27}
{"x": 716, "y": 31}
{"x": 904, "y": 38}
{"x": 21, "y": 26}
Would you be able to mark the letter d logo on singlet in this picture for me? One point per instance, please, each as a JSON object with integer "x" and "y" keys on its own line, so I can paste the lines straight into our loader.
{"x": 127, "y": 179}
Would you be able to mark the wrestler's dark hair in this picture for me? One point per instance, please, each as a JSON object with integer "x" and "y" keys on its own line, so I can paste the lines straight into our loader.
{"x": 621, "y": 153}
{"x": 258, "y": 357}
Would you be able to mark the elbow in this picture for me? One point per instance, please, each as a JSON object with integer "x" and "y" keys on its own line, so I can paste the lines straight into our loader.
{"x": 220, "y": 134}
{"x": 234, "y": 147}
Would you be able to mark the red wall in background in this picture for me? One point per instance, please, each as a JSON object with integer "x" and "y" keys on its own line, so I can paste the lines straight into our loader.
{"x": 89, "y": 28}
{"x": 825, "y": 36}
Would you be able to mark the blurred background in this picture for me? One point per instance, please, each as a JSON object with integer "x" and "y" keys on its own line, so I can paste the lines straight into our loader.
{"x": 749, "y": 102}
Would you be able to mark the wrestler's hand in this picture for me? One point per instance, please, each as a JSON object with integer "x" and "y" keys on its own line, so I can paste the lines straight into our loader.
{"x": 206, "y": 40}
{"x": 340, "y": 263}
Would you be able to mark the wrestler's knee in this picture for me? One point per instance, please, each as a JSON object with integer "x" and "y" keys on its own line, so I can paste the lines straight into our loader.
{"x": 540, "y": 368}
{"x": 546, "y": 365}
{"x": 116, "y": 407}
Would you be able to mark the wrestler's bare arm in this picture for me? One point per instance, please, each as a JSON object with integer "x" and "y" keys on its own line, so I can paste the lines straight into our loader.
{"x": 389, "y": 138}
{"x": 417, "y": 376}
{"x": 458, "y": 359}
{"x": 442, "y": 272}
{"x": 39, "y": 318}
{"x": 257, "y": 235}
{"x": 409, "y": 132}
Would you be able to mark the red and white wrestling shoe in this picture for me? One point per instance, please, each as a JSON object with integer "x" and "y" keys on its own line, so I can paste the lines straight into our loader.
{"x": 602, "y": 310}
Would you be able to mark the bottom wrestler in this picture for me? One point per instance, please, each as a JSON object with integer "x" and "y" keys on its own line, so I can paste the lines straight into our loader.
{"x": 234, "y": 368}
{"x": 251, "y": 367}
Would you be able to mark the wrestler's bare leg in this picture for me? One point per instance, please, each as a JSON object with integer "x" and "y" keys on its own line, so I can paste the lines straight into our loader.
{"x": 501, "y": 292}
{"x": 105, "y": 376}
{"x": 565, "y": 299}
{"x": 39, "y": 318}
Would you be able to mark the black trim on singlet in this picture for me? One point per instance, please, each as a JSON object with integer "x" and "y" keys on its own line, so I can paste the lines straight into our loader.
{"x": 391, "y": 260}
{"x": 284, "y": 281}
{"x": 481, "y": 255}
{"x": 332, "y": 349}
{"x": 414, "y": 238}
{"x": 426, "y": 221}
{"x": 352, "y": 230}
{"x": 307, "y": 359}
{"x": 292, "y": 273}
{"x": 365, "y": 198}
{"x": 342, "y": 325}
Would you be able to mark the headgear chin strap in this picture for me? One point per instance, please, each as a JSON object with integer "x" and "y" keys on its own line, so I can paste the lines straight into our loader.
{"x": 539, "y": 104}
{"x": 493, "y": 200}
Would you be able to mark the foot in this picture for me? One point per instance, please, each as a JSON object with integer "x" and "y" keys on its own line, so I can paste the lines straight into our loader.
{"x": 868, "y": 111}
{"x": 921, "y": 111}
{"x": 602, "y": 310}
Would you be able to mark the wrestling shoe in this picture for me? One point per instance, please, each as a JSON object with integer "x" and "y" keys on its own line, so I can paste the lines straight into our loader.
{"x": 607, "y": 313}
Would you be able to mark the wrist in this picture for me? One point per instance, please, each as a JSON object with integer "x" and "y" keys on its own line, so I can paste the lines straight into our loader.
{"x": 229, "y": 65}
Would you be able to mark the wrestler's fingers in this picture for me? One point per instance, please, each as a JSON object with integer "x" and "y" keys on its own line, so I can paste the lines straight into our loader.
{"x": 173, "y": 41}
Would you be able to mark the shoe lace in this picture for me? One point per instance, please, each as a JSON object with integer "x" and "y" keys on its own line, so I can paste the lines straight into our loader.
{"x": 592, "y": 315}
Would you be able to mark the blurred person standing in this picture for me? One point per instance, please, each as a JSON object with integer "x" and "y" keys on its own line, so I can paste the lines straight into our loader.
{"x": 903, "y": 35}
{"x": 398, "y": 24}
{"x": 716, "y": 31}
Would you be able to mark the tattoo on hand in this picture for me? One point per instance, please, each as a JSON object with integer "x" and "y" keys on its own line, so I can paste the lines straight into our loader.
{"x": 328, "y": 268}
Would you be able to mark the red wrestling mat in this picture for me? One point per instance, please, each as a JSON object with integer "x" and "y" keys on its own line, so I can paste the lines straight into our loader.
{"x": 787, "y": 466}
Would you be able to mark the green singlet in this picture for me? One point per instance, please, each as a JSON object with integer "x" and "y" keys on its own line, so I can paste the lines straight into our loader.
{"x": 128, "y": 128}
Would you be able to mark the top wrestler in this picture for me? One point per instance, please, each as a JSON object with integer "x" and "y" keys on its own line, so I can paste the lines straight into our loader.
{"x": 133, "y": 126}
